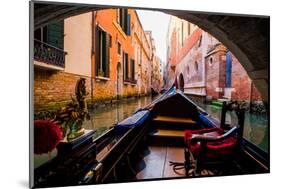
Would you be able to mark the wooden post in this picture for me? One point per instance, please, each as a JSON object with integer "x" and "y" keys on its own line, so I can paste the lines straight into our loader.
{"x": 223, "y": 114}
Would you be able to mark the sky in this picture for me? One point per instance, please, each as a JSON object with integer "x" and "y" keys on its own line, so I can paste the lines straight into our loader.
{"x": 156, "y": 22}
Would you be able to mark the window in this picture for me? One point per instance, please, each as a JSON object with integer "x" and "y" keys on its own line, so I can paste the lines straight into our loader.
{"x": 132, "y": 70}
{"x": 52, "y": 34}
{"x": 129, "y": 68}
{"x": 119, "y": 48}
{"x": 211, "y": 61}
{"x": 102, "y": 53}
{"x": 200, "y": 41}
{"x": 118, "y": 15}
{"x": 124, "y": 20}
{"x": 196, "y": 67}
{"x": 126, "y": 66}
{"x": 188, "y": 70}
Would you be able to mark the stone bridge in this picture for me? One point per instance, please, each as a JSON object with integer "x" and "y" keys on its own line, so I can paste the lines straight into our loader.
{"x": 247, "y": 37}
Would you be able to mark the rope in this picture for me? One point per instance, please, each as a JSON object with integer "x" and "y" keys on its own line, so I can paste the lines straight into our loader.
{"x": 177, "y": 166}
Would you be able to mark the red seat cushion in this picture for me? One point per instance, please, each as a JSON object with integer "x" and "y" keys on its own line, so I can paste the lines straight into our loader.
{"x": 213, "y": 149}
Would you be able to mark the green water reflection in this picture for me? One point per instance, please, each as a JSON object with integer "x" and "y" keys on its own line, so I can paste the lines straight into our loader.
{"x": 255, "y": 128}
{"x": 105, "y": 117}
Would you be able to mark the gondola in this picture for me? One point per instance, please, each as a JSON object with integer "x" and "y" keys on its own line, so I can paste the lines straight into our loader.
{"x": 171, "y": 137}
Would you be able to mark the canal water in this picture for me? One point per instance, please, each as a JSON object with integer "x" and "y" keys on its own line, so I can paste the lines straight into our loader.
{"x": 255, "y": 126}
{"x": 102, "y": 118}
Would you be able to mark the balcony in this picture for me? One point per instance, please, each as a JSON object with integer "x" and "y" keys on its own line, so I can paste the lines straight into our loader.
{"x": 48, "y": 56}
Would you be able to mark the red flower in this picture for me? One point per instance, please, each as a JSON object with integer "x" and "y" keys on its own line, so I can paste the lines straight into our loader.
{"x": 47, "y": 135}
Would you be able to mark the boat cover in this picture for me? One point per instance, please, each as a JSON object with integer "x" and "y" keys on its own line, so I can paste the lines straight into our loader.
{"x": 135, "y": 120}
{"x": 176, "y": 105}
{"x": 206, "y": 121}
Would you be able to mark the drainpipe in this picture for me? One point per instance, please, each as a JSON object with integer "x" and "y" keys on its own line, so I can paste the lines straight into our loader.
{"x": 93, "y": 52}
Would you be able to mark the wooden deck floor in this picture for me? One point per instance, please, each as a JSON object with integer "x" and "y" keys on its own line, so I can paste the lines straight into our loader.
{"x": 155, "y": 164}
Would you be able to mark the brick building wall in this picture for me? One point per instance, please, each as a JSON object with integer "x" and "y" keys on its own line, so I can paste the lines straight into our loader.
{"x": 107, "y": 20}
{"x": 201, "y": 61}
{"x": 242, "y": 86}
{"x": 53, "y": 89}
{"x": 215, "y": 72}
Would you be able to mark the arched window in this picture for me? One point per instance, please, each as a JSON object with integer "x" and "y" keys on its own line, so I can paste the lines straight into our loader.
{"x": 196, "y": 67}
{"x": 181, "y": 83}
{"x": 211, "y": 61}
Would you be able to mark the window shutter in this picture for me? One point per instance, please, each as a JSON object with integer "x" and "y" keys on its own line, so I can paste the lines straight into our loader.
{"x": 132, "y": 69}
{"x": 126, "y": 66}
{"x": 55, "y": 34}
{"x": 128, "y": 31}
{"x": 107, "y": 55}
{"x": 125, "y": 20}
{"x": 97, "y": 50}
{"x": 118, "y": 15}
{"x": 104, "y": 52}
{"x": 122, "y": 21}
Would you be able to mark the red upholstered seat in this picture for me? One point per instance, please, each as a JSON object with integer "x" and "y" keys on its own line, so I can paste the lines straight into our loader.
{"x": 212, "y": 149}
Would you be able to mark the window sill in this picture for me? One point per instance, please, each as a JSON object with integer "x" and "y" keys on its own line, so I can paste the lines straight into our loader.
{"x": 129, "y": 82}
{"x": 100, "y": 78}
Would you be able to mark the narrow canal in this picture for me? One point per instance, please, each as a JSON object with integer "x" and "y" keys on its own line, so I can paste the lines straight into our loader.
{"x": 102, "y": 118}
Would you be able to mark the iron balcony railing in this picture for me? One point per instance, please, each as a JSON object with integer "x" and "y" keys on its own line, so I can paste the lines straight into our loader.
{"x": 48, "y": 54}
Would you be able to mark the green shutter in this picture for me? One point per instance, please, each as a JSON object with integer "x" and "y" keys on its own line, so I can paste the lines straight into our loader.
{"x": 104, "y": 49}
{"x": 107, "y": 56}
{"x": 125, "y": 20}
{"x": 132, "y": 69}
{"x": 55, "y": 34}
{"x": 122, "y": 21}
{"x": 97, "y": 51}
{"x": 126, "y": 66}
{"x": 128, "y": 28}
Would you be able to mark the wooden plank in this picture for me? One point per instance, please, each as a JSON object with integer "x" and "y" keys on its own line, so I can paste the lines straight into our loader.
{"x": 174, "y": 119}
{"x": 172, "y": 133}
{"x": 156, "y": 163}
{"x": 175, "y": 154}
{"x": 152, "y": 165}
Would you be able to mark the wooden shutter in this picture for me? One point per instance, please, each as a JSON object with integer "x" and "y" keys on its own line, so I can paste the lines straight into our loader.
{"x": 104, "y": 50}
{"x": 55, "y": 34}
{"x": 128, "y": 29}
{"x": 122, "y": 21}
{"x": 126, "y": 66}
{"x": 125, "y": 20}
{"x": 118, "y": 16}
{"x": 97, "y": 51}
{"x": 107, "y": 55}
{"x": 132, "y": 69}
